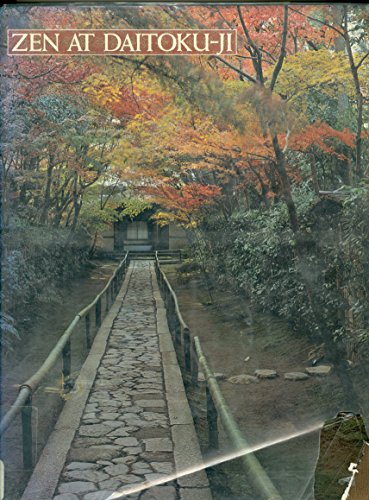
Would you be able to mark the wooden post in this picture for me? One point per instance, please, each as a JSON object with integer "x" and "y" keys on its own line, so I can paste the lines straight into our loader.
{"x": 170, "y": 323}
{"x": 107, "y": 300}
{"x": 177, "y": 332}
{"x": 212, "y": 420}
{"x": 178, "y": 340}
{"x": 187, "y": 350}
{"x": 88, "y": 330}
{"x": 66, "y": 364}
{"x": 98, "y": 313}
{"x": 27, "y": 434}
{"x": 194, "y": 364}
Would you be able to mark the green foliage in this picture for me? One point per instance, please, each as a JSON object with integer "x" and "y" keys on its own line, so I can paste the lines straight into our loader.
{"x": 355, "y": 258}
{"x": 101, "y": 211}
{"x": 187, "y": 270}
{"x": 36, "y": 260}
{"x": 312, "y": 80}
{"x": 132, "y": 207}
{"x": 59, "y": 108}
{"x": 310, "y": 279}
{"x": 95, "y": 217}
{"x": 8, "y": 331}
{"x": 188, "y": 266}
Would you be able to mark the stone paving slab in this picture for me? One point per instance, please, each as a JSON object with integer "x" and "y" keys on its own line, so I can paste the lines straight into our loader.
{"x": 131, "y": 424}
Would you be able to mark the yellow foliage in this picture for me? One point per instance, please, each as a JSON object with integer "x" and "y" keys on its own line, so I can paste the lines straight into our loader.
{"x": 102, "y": 89}
{"x": 324, "y": 69}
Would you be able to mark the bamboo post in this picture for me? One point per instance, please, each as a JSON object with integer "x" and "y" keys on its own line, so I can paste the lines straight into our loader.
{"x": 187, "y": 350}
{"x": 66, "y": 364}
{"x": 212, "y": 420}
{"x": 107, "y": 301}
{"x": 88, "y": 330}
{"x": 27, "y": 434}
{"x": 98, "y": 313}
{"x": 194, "y": 364}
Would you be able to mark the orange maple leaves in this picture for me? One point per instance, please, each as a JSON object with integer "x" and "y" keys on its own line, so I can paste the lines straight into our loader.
{"x": 181, "y": 203}
{"x": 325, "y": 137}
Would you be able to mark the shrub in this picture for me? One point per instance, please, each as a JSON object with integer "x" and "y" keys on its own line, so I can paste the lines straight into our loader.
{"x": 313, "y": 279}
{"x": 36, "y": 260}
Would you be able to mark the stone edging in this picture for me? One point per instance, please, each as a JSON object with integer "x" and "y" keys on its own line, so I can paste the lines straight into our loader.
{"x": 45, "y": 476}
{"x": 186, "y": 446}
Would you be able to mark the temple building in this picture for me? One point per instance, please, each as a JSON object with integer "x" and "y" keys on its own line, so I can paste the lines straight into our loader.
{"x": 142, "y": 234}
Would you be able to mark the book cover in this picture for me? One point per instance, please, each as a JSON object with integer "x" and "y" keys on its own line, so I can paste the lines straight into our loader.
{"x": 184, "y": 251}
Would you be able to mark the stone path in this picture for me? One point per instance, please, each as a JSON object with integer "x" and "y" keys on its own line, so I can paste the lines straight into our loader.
{"x": 127, "y": 432}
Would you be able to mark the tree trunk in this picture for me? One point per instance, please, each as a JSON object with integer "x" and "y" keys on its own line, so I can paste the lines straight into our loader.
{"x": 286, "y": 186}
{"x": 77, "y": 203}
{"x": 46, "y": 204}
{"x": 358, "y": 95}
{"x": 93, "y": 246}
{"x": 314, "y": 175}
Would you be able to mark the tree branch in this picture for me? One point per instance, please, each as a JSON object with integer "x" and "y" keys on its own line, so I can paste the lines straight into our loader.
{"x": 282, "y": 53}
{"x": 362, "y": 60}
{"x": 324, "y": 23}
{"x": 269, "y": 54}
{"x": 44, "y": 73}
{"x": 239, "y": 71}
{"x": 312, "y": 45}
{"x": 257, "y": 63}
{"x": 262, "y": 157}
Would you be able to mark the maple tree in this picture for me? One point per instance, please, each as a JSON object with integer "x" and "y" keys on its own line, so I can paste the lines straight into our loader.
{"x": 260, "y": 61}
{"x": 238, "y": 123}
{"x": 351, "y": 25}
{"x": 275, "y": 45}
{"x": 181, "y": 204}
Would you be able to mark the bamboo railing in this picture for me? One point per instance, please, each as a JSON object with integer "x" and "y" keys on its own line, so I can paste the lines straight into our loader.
{"x": 191, "y": 357}
{"x": 63, "y": 349}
